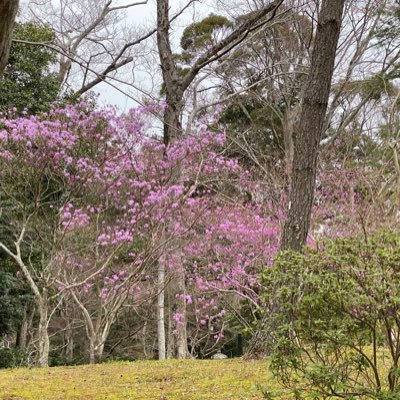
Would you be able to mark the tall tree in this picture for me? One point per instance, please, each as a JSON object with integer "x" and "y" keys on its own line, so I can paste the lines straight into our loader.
{"x": 176, "y": 83}
{"x": 8, "y": 13}
{"x": 307, "y": 136}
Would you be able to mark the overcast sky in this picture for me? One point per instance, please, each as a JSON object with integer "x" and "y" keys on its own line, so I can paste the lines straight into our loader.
{"x": 144, "y": 16}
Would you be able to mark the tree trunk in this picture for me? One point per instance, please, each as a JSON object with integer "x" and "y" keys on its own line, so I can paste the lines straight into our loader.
{"x": 181, "y": 335}
{"x": 290, "y": 119}
{"x": 68, "y": 336}
{"x": 43, "y": 335}
{"x": 69, "y": 345}
{"x": 8, "y": 13}
{"x": 161, "y": 311}
{"x": 170, "y": 73}
{"x": 177, "y": 335}
{"x": 172, "y": 129}
{"x": 96, "y": 346}
{"x": 308, "y": 133}
{"x": 22, "y": 333}
{"x": 170, "y": 347}
{"x": 144, "y": 332}
{"x": 92, "y": 351}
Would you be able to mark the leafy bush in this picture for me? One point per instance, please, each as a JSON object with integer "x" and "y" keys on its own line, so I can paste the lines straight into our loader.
{"x": 29, "y": 79}
{"x": 13, "y": 357}
{"x": 334, "y": 315}
{"x": 56, "y": 359}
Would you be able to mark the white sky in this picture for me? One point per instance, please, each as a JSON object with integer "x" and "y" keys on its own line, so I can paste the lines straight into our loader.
{"x": 144, "y": 16}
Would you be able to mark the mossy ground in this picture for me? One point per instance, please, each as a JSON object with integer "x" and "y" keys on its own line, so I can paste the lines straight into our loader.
{"x": 143, "y": 380}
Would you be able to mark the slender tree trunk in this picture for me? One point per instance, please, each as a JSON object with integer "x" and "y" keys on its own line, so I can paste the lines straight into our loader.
{"x": 177, "y": 331}
{"x": 182, "y": 351}
{"x": 307, "y": 135}
{"x": 8, "y": 13}
{"x": 172, "y": 129}
{"x": 99, "y": 352}
{"x": 102, "y": 338}
{"x": 22, "y": 331}
{"x": 69, "y": 345}
{"x": 41, "y": 299}
{"x": 170, "y": 347}
{"x": 92, "y": 351}
{"x": 161, "y": 311}
{"x": 68, "y": 336}
{"x": 96, "y": 346}
{"x": 144, "y": 332}
{"x": 43, "y": 335}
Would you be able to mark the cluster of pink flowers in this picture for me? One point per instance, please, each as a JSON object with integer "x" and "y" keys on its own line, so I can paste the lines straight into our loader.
{"x": 125, "y": 194}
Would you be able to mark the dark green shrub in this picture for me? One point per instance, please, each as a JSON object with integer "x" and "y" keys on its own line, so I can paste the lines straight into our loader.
{"x": 13, "y": 358}
{"x": 57, "y": 360}
{"x": 334, "y": 318}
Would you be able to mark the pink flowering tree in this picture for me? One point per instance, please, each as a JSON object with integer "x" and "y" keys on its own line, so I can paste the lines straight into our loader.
{"x": 93, "y": 202}
{"x": 97, "y": 211}
{"x": 233, "y": 240}
{"x": 55, "y": 168}
{"x": 34, "y": 160}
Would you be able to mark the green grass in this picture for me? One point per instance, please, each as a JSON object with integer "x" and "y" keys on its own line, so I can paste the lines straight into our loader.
{"x": 141, "y": 380}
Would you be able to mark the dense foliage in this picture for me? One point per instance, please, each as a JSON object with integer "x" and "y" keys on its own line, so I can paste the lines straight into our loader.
{"x": 334, "y": 319}
{"x": 30, "y": 82}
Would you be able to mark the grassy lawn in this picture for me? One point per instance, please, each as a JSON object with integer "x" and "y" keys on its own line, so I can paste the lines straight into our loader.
{"x": 141, "y": 380}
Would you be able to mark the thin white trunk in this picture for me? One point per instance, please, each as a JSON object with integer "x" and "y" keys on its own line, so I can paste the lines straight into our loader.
{"x": 92, "y": 358}
{"x": 170, "y": 347}
{"x": 96, "y": 347}
{"x": 181, "y": 339}
{"x": 43, "y": 335}
{"x": 69, "y": 350}
{"x": 160, "y": 312}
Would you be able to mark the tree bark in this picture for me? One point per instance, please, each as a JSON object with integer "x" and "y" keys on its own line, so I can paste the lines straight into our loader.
{"x": 96, "y": 348}
{"x": 170, "y": 73}
{"x": 43, "y": 335}
{"x": 92, "y": 356}
{"x": 172, "y": 129}
{"x": 308, "y": 133}
{"x": 182, "y": 351}
{"x": 8, "y": 13}
{"x": 170, "y": 337}
{"x": 22, "y": 333}
{"x": 161, "y": 312}
{"x": 68, "y": 334}
{"x": 290, "y": 119}
{"x": 97, "y": 339}
{"x": 69, "y": 345}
